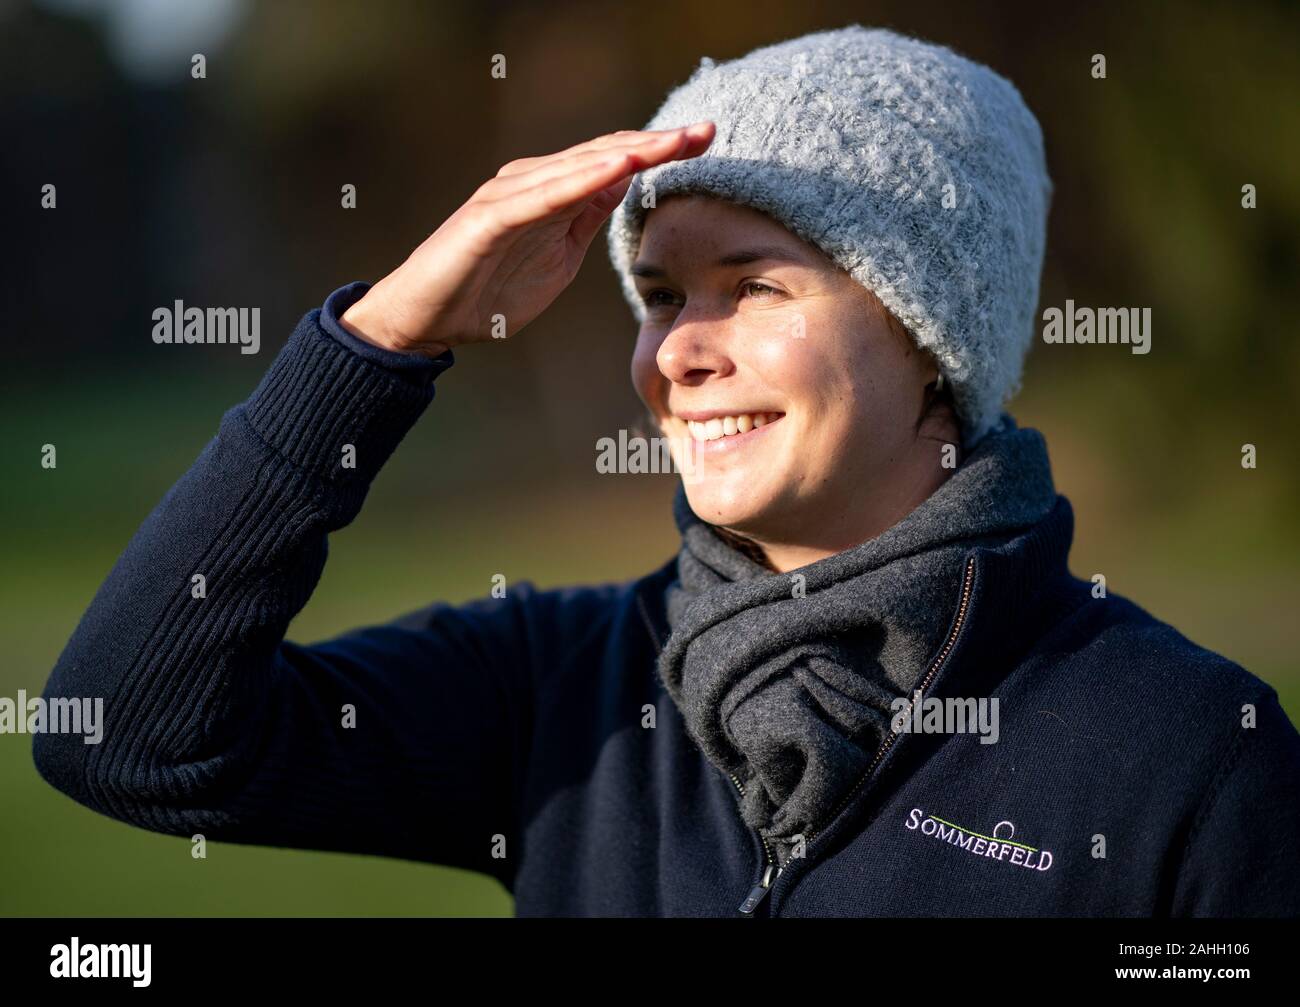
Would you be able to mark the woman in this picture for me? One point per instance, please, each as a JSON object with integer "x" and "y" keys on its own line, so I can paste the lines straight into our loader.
{"x": 867, "y": 685}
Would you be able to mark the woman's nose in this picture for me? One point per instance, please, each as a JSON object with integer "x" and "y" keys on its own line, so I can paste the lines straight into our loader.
{"x": 695, "y": 350}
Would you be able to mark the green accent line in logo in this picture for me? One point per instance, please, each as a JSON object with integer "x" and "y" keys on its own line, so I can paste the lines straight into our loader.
{"x": 991, "y": 839}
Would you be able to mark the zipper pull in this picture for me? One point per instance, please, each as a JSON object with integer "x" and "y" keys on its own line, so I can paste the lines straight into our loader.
{"x": 758, "y": 893}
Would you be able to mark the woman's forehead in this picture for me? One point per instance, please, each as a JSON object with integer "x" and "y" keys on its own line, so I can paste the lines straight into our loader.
{"x": 701, "y": 226}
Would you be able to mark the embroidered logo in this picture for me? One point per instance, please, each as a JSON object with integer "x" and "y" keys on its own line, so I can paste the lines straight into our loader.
{"x": 999, "y": 847}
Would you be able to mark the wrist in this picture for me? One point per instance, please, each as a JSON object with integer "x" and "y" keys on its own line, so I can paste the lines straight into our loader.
{"x": 371, "y": 319}
{"x": 365, "y": 320}
{"x": 317, "y": 387}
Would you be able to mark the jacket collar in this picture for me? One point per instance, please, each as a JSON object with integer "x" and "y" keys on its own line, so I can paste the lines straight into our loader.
{"x": 1018, "y": 590}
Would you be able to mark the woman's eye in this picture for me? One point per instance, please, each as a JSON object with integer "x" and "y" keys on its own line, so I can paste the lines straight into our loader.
{"x": 752, "y": 288}
{"x": 659, "y": 298}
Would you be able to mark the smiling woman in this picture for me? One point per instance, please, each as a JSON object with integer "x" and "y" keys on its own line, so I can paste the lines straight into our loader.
{"x": 865, "y": 532}
{"x": 807, "y": 404}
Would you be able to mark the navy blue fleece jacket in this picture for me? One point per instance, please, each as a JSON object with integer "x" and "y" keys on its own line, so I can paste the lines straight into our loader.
{"x": 1135, "y": 773}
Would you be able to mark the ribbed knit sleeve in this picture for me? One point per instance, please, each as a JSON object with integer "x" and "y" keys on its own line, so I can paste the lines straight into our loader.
{"x": 398, "y": 740}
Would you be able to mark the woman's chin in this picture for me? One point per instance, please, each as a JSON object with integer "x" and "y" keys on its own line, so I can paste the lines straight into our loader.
{"x": 730, "y": 503}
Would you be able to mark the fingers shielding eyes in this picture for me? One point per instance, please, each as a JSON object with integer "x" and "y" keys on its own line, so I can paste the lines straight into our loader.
{"x": 625, "y": 139}
{"x": 563, "y": 184}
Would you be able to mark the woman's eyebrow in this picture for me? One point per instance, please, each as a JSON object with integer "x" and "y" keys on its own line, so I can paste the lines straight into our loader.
{"x": 740, "y": 257}
{"x": 773, "y": 253}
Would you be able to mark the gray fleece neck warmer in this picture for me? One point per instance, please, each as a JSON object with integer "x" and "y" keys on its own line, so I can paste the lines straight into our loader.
{"x": 786, "y": 680}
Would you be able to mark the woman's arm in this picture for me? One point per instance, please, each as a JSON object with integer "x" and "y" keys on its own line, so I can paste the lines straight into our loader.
{"x": 1242, "y": 856}
{"x": 401, "y": 740}
{"x": 212, "y": 724}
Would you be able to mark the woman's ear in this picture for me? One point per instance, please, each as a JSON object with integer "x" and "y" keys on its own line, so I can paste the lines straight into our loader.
{"x": 937, "y": 418}
{"x": 938, "y": 415}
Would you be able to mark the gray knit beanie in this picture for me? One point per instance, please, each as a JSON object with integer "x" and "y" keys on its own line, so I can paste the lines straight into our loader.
{"x": 920, "y": 173}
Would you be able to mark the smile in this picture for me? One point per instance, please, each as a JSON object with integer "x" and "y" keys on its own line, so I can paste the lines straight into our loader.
{"x": 722, "y": 427}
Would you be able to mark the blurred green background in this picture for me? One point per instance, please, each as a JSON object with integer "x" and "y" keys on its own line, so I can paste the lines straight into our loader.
{"x": 226, "y": 191}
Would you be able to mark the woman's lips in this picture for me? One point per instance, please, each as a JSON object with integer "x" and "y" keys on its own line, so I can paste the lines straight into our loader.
{"x": 733, "y": 442}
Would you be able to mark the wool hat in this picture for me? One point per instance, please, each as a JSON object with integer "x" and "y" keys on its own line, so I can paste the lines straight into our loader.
{"x": 919, "y": 172}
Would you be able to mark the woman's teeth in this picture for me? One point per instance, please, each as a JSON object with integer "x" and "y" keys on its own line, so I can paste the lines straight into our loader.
{"x": 726, "y": 426}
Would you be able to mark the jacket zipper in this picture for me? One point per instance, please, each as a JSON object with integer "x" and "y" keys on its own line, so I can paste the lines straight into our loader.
{"x": 770, "y": 871}
{"x": 761, "y": 890}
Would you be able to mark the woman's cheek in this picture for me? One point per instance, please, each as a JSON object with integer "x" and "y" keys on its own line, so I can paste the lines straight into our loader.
{"x": 790, "y": 354}
{"x": 649, "y": 382}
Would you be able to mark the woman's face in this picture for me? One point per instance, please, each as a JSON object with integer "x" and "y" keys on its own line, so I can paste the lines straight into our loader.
{"x": 797, "y": 401}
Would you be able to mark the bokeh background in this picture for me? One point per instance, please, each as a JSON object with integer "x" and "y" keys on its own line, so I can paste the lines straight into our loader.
{"x": 226, "y": 190}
